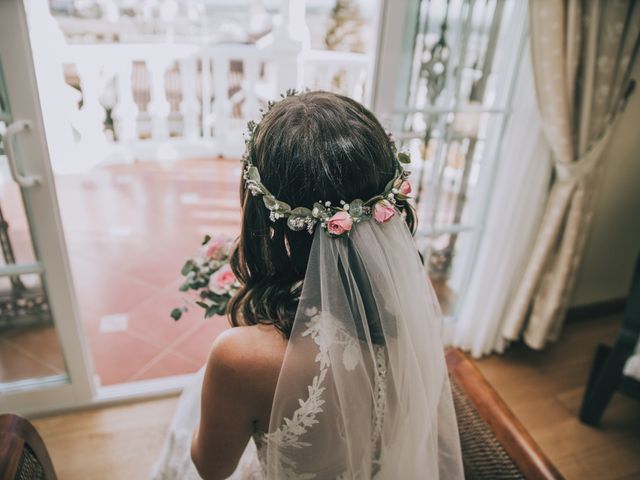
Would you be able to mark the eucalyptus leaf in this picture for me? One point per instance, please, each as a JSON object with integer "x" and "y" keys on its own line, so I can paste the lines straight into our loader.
{"x": 213, "y": 310}
{"x": 176, "y": 313}
{"x": 355, "y": 208}
{"x": 322, "y": 211}
{"x": 206, "y": 239}
{"x": 253, "y": 174}
{"x": 202, "y": 305}
{"x": 184, "y": 287}
{"x": 301, "y": 212}
{"x": 283, "y": 207}
{"x": 404, "y": 157}
{"x": 270, "y": 202}
{"x": 187, "y": 267}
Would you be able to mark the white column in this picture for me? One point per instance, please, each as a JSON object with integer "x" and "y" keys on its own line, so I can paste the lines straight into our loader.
{"x": 294, "y": 23}
{"x": 189, "y": 106}
{"x": 206, "y": 95}
{"x": 221, "y": 101}
{"x": 159, "y": 107}
{"x": 290, "y": 39}
{"x": 125, "y": 112}
{"x": 250, "y": 80}
{"x": 92, "y": 113}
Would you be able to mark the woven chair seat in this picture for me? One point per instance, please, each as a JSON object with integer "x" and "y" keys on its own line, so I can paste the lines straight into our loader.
{"x": 23, "y": 455}
{"x": 482, "y": 454}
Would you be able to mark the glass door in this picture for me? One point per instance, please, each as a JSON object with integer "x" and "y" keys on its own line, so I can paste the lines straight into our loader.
{"x": 445, "y": 74}
{"x": 43, "y": 361}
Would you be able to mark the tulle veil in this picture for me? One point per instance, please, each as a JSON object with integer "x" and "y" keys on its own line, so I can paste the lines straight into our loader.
{"x": 363, "y": 392}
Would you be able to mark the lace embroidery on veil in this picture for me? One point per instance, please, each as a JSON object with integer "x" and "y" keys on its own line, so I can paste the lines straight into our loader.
{"x": 327, "y": 333}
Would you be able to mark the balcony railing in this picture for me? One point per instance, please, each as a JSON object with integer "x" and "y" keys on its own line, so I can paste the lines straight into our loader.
{"x": 167, "y": 99}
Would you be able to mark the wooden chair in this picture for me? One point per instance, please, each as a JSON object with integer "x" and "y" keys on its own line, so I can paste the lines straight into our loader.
{"x": 495, "y": 445}
{"x": 23, "y": 455}
{"x": 607, "y": 371}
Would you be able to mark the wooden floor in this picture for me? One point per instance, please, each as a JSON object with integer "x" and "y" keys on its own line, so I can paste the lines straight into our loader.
{"x": 544, "y": 389}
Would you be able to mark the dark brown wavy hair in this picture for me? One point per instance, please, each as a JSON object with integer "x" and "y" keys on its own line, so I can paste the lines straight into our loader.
{"x": 308, "y": 147}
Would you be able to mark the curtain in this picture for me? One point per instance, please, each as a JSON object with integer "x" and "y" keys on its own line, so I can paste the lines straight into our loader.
{"x": 582, "y": 53}
{"x": 517, "y": 199}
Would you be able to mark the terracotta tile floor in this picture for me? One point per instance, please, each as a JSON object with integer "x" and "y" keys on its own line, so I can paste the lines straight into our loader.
{"x": 129, "y": 229}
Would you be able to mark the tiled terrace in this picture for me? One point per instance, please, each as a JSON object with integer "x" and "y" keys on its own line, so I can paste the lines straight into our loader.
{"x": 129, "y": 229}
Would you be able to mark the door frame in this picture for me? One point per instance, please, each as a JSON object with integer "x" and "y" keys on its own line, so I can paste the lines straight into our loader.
{"x": 41, "y": 207}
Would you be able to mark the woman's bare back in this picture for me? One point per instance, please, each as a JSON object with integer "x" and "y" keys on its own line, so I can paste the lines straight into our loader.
{"x": 237, "y": 394}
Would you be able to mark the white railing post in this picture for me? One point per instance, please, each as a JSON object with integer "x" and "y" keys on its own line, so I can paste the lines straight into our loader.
{"x": 221, "y": 105}
{"x": 92, "y": 113}
{"x": 125, "y": 113}
{"x": 249, "y": 87}
{"x": 289, "y": 40}
{"x": 206, "y": 94}
{"x": 189, "y": 106}
{"x": 159, "y": 107}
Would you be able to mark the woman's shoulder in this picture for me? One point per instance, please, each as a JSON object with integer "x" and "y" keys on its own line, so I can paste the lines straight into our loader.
{"x": 248, "y": 351}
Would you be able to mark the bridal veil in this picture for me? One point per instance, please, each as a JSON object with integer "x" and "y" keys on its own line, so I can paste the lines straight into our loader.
{"x": 363, "y": 392}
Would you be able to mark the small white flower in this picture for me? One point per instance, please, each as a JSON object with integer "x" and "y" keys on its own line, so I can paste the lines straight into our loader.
{"x": 346, "y": 207}
{"x": 327, "y": 204}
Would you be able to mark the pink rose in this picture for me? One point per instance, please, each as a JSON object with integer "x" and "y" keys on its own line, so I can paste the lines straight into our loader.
{"x": 215, "y": 248}
{"x": 222, "y": 280}
{"x": 383, "y": 211}
{"x": 405, "y": 188}
{"x": 338, "y": 224}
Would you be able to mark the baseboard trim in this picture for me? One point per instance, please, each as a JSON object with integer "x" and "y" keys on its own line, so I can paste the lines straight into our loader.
{"x": 597, "y": 309}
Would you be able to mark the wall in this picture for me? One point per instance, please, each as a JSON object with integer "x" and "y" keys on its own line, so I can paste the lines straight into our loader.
{"x": 614, "y": 241}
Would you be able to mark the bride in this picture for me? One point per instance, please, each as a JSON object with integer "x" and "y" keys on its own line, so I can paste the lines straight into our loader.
{"x": 336, "y": 368}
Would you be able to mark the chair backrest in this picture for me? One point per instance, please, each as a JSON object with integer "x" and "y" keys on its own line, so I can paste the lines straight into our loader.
{"x": 23, "y": 455}
{"x": 494, "y": 443}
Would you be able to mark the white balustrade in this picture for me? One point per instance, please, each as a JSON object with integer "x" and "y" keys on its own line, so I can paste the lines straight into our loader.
{"x": 222, "y": 86}
{"x": 321, "y": 69}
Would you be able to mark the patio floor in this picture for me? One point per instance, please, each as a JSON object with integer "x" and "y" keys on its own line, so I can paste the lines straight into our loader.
{"x": 129, "y": 229}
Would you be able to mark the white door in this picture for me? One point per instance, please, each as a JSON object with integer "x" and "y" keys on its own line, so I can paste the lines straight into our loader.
{"x": 44, "y": 363}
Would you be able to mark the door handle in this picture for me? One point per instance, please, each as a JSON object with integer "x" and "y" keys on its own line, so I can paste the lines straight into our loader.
{"x": 12, "y": 130}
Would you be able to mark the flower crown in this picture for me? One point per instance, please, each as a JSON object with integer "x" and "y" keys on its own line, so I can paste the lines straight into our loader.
{"x": 335, "y": 220}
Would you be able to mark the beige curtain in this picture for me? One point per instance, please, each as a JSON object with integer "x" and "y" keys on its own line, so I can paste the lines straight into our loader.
{"x": 582, "y": 53}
